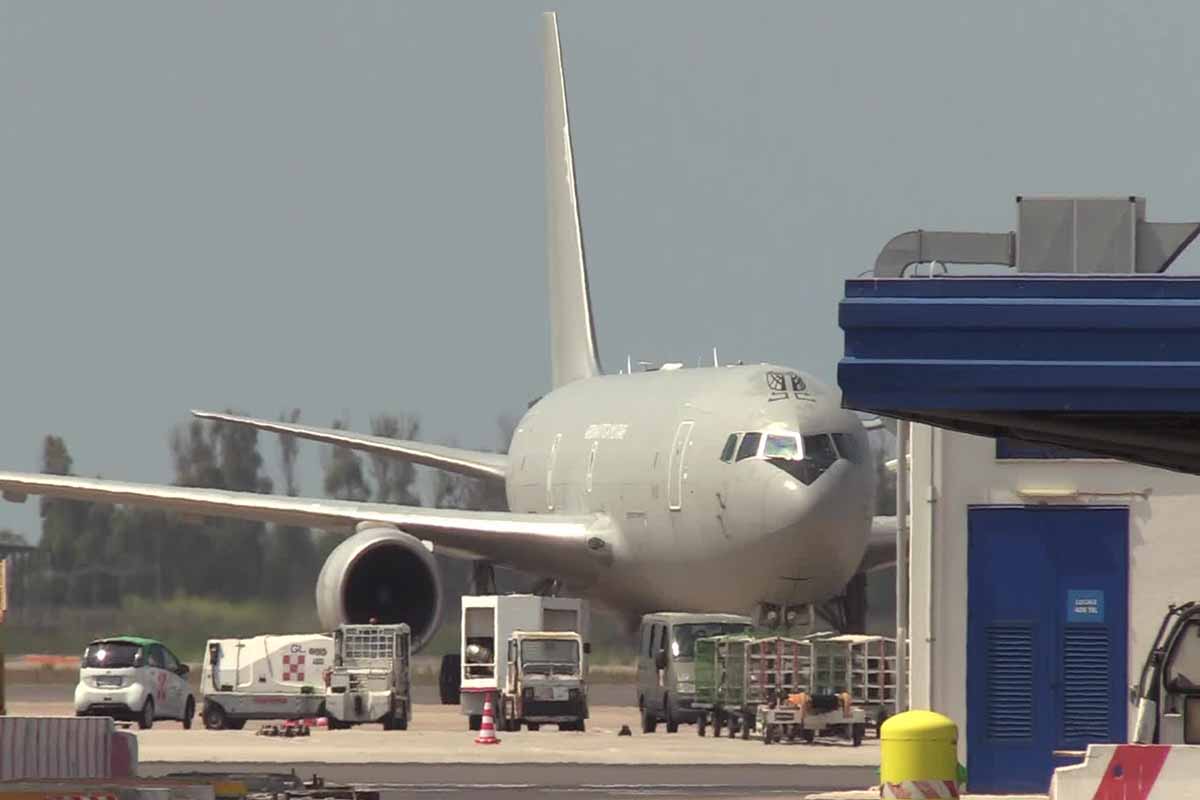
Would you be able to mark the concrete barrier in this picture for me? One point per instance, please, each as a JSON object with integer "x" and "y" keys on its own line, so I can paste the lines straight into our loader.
{"x": 55, "y": 747}
{"x": 1120, "y": 771}
{"x": 123, "y": 759}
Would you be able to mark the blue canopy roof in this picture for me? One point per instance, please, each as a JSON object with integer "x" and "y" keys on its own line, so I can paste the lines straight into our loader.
{"x": 1105, "y": 364}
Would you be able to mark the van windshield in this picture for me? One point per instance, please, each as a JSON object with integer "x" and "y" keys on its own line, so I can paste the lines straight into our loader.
{"x": 112, "y": 655}
{"x": 684, "y": 643}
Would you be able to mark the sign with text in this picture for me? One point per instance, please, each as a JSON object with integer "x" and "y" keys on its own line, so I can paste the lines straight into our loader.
{"x": 1085, "y": 605}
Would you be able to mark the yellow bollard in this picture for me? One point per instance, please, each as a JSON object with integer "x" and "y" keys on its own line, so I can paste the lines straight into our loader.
{"x": 918, "y": 756}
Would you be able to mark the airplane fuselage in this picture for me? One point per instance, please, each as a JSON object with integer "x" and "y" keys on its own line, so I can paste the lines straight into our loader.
{"x": 696, "y": 532}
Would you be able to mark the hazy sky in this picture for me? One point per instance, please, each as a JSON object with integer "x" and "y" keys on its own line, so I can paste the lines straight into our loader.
{"x": 339, "y": 206}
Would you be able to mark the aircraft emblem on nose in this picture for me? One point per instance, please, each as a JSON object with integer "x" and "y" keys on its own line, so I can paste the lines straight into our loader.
{"x": 781, "y": 385}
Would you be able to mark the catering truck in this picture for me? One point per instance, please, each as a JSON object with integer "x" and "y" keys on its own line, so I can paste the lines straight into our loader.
{"x": 264, "y": 677}
{"x": 488, "y": 623}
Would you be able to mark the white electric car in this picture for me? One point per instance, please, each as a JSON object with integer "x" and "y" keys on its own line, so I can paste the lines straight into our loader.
{"x": 131, "y": 678}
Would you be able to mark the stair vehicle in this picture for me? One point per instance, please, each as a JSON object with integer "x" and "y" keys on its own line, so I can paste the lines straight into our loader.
{"x": 1168, "y": 693}
{"x": 263, "y": 677}
{"x": 133, "y": 678}
{"x": 370, "y": 680}
{"x": 546, "y": 681}
{"x": 488, "y": 623}
{"x": 665, "y": 669}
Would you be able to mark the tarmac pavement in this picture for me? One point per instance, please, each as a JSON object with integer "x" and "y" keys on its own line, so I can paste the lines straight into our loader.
{"x": 437, "y": 755}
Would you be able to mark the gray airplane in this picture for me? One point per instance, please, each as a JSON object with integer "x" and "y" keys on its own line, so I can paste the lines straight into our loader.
{"x": 737, "y": 488}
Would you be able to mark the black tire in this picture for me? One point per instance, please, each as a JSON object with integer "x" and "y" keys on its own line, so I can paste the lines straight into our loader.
{"x": 189, "y": 712}
{"x": 809, "y": 735}
{"x": 533, "y": 726}
{"x": 856, "y": 733}
{"x": 474, "y": 722}
{"x": 214, "y": 717}
{"x": 396, "y": 720}
{"x": 649, "y": 722}
{"x": 668, "y": 717}
{"x": 450, "y": 679}
{"x": 146, "y": 717}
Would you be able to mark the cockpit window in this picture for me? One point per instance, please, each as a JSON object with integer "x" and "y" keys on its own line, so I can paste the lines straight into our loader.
{"x": 749, "y": 446}
{"x": 819, "y": 450}
{"x": 847, "y": 446}
{"x": 815, "y": 456}
{"x": 730, "y": 446}
{"x": 780, "y": 446}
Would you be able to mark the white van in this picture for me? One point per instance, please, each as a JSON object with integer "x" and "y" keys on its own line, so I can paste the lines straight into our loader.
{"x": 666, "y": 652}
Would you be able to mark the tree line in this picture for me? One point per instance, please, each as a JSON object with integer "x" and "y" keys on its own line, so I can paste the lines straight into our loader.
{"x": 93, "y": 554}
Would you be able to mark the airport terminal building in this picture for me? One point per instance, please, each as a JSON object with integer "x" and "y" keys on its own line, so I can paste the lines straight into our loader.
{"x": 1039, "y": 578}
{"x": 1041, "y": 560}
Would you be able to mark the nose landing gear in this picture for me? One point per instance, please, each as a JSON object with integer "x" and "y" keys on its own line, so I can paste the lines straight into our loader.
{"x": 774, "y": 616}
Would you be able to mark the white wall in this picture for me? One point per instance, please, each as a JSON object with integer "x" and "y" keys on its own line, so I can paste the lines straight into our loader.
{"x": 951, "y": 471}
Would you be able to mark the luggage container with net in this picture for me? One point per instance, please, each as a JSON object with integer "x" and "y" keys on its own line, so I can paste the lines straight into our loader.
{"x": 370, "y": 680}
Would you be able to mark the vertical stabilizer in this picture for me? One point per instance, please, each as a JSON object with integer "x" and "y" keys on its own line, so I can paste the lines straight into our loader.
{"x": 572, "y": 333}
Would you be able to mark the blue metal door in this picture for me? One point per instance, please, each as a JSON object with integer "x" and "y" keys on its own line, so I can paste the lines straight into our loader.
{"x": 1047, "y": 631}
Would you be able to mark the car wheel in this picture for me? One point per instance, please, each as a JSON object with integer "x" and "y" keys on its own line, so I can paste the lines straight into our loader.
{"x": 649, "y": 723}
{"x": 146, "y": 720}
{"x": 214, "y": 717}
{"x": 189, "y": 711}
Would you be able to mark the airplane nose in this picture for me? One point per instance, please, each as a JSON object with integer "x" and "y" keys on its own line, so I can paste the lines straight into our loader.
{"x": 788, "y": 502}
{"x": 812, "y": 511}
{"x": 817, "y": 527}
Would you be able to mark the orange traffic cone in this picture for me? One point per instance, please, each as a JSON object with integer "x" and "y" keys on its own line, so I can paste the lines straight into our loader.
{"x": 487, "y": 726}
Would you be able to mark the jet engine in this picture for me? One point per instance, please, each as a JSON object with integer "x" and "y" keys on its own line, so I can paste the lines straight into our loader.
{"x": 382, "y": 574}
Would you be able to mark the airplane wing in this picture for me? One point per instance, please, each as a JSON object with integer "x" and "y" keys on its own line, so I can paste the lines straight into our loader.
{"x": 558, "y": 544}
{"x": 881, "y": 546}
{"x": 476, "y": 463}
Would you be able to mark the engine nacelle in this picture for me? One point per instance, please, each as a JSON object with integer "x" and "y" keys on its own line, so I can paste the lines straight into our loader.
{"x": 384, "y": 574}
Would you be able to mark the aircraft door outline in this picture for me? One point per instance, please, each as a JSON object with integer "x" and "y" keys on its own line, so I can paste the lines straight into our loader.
{"x": 677, "y": 464}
